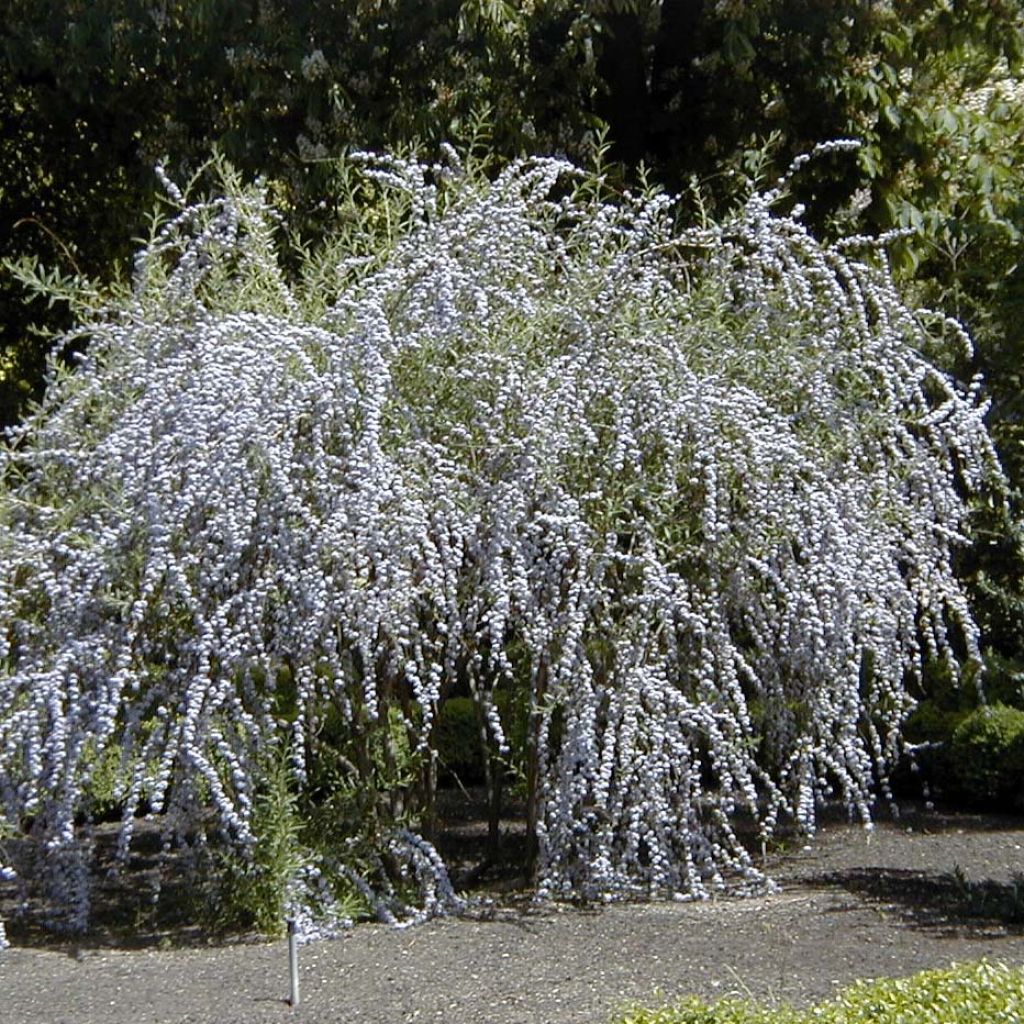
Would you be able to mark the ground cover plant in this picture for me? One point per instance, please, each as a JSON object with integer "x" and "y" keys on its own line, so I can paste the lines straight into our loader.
{"x": 687, "y": 497}
{"x": 965, "y": 994}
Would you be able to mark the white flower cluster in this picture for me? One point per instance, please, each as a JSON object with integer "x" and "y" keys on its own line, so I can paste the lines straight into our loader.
{"x": 1002, "y": 87}
{"x": 694, "y": 493}
{"x": 315, "y": 66}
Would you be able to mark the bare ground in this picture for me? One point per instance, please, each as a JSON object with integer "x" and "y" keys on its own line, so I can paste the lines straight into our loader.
{"x": 928, "y": 890}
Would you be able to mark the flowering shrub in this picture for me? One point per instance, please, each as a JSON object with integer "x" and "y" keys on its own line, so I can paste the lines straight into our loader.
{"x": 694, "y": 493}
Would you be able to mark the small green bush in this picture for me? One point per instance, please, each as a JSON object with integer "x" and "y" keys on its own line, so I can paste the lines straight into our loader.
{"x": 987, "y": 753}
{"x": 979, "y": 993}
{"x": 977, "y": 769}
{"x": 251, "y": 893}
{"x": 929, "y": 722}
{"x": 256, "y": 890}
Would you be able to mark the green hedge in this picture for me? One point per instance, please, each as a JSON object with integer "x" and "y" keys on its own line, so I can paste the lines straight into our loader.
{"x": 974, "y": 756}
{"x": 979, "y": 993}
{"x": 987, "y": 753}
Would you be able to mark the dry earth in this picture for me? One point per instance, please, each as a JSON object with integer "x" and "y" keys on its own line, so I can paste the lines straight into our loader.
{"x": 923, "y": 892}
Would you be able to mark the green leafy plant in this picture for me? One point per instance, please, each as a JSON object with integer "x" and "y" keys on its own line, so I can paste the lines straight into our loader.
{"x": 248, "y": 889}
{"x": 987, "y": 752}
{"x": 256, "y": 888}
{"x": 980, "y": 993}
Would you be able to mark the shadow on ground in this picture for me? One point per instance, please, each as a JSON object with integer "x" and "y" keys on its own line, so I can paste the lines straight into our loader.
{"x": 126, "y": 914}
{"x": 948, "y": 902}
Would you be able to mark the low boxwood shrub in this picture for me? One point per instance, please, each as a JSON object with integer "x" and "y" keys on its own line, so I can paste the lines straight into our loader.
{"x": 987, "y": 754}
{"x": 979, "y": 993}
{"x": 965, "y": 753}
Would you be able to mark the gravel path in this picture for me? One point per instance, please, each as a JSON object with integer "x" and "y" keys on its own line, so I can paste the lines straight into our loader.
{"x": 852, "y": 905}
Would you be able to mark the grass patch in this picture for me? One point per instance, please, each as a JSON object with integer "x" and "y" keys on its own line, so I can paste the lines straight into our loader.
{"x": 978, "y": 993}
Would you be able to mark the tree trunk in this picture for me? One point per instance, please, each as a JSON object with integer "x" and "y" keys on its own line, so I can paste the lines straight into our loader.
{"x": 533, "y": 768}
{"x": 495, "y": 774}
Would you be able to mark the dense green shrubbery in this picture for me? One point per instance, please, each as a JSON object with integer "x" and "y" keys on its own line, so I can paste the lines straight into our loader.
{"x": 987, "y": 754}
{"x": 966, "y": 753}
{"x": 981, "y": 765}
{"x": 981, "y": 993}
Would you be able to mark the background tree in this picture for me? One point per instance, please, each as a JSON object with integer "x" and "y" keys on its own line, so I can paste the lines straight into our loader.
{"x": 95, "y": 94}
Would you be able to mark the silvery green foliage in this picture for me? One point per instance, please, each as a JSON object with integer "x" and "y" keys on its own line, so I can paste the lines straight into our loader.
{"x": 696, "y": 492}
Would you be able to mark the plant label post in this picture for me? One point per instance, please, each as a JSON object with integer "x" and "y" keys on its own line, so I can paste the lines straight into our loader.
{"x": 293, "y": 963}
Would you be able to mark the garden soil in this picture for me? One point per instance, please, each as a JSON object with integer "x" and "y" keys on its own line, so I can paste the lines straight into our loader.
{"x": 925, "y": 891}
